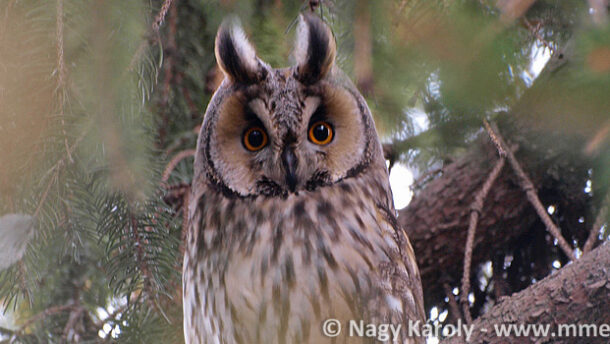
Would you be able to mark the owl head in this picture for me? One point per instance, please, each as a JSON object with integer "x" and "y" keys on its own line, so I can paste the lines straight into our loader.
{"x": 274, "y": 132}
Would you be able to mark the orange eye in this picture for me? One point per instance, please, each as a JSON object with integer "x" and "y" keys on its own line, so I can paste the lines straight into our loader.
{"x": 321, "y": 133}
{"x": 255, "y": 139}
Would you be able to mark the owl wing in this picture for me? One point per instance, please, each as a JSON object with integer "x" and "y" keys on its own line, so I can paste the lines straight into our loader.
{"x": 400, "y": 282}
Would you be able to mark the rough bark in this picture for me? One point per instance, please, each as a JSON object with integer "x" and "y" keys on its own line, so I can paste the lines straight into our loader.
{"x": 437, "y": 218}
{"x": 578, "y": 294}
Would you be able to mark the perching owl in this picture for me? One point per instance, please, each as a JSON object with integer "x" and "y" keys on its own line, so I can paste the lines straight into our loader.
{"x": 291, "y": 215}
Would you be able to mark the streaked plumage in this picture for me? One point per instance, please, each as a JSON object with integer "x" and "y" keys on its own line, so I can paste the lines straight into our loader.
{"x": 286, "y": 236}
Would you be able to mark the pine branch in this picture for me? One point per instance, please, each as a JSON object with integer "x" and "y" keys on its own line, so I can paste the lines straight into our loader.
{"x": 576, "y": 294}
{"x": 453, "y": 305}
{"x": 174, "y": 162}
{"x": 161, "y": 15}
{"x": 536, "y": 32}
{"x": 475, "y": 210}
{"x": 528, "y": 187}
{"x": 154, "y": 32}
{"x": 61, "y": 71}
{"x": 46, "y": 313}
{"x": 597, "y": 225}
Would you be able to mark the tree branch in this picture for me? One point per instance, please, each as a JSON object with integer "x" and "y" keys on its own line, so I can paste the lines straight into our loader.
{"x": 61, "y": 70}
{"x": 597, "y": 226}
{"x": 453, "y": 306}
{"x": 47, "y": 312}
{"x": 577, "y": 294}
{"x": 161, "y": 15}
{"x": 530, "y": 191}
{"x": 475, "y": 210}
{"x": 171, "y": 165}
{"x": 438, "y": 216}
{"x": 154, "y": 31}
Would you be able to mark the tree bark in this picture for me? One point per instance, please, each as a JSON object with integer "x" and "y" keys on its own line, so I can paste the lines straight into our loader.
{"x": 576, "y": 295}
{"x": 437, "y": 218}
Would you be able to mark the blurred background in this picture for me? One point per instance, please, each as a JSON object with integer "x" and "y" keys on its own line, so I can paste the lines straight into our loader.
{"x": 101, "y": 103}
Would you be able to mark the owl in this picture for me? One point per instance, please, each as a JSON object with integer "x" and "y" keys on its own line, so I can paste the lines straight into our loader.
{"x": 291, "y": 217}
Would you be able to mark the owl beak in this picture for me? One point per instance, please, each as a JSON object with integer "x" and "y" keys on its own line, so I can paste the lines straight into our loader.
{"x": 290, "y": 162}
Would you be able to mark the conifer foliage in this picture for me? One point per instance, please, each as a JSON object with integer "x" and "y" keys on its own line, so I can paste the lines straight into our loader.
{"x": 101, "y": 103}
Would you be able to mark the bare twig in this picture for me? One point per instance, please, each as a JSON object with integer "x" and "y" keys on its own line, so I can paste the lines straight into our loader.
{"x": 189, "y": 101}
{"x": 111, "y": 319}
{"x": 171, "y": 165}
{"x": 597, "y": 226}
{"x": 154, "y": 32}
{"x": 76, "y": 314}
{"x": 58, "y": 165}
{"x": 527, "y": 186}
{"x": 175, "y": 193}
{"x": 576, "y": 294}
{"x": 599, "y": 138}
{"x": 475, "y": 210}
{"x": 494, "y": 139}
{"x": 47, "y": 312}
{"x": 453, "y": 306}
{"x": 48, "y": 187}
{"x": 61, "y": 70}
{"x": 536, "y": 32}
{"x": 170, "y": 77}
{"x": 161, "y": 15}
{"x": 59, "y": 33}
{"x": 423, "y": 177}
{"x": 185, "y": 208}
{"x": 497, "y": 277}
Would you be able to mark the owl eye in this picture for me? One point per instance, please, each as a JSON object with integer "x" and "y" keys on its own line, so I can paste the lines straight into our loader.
{"x": 255, "y": 139}
{"x": 321, "y": 133}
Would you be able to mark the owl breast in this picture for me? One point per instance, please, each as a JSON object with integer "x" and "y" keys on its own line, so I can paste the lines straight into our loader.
{"x": 291, "y": 220}
{"x": 271, "y": 270}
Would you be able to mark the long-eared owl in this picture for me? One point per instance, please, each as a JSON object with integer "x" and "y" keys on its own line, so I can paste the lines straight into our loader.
{"x": 291, "y": 217}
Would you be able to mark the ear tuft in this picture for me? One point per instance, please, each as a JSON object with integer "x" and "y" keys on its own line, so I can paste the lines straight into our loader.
{"x": 315, "y": 49}
{"x": 235, "y": 55}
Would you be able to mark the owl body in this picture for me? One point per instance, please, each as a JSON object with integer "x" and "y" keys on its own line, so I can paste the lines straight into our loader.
{"x": 291, "y": 219}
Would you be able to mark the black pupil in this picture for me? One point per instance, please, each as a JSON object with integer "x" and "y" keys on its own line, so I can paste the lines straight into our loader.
{"x": 255, "y": 138}
{"x": 320, "y": 132}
